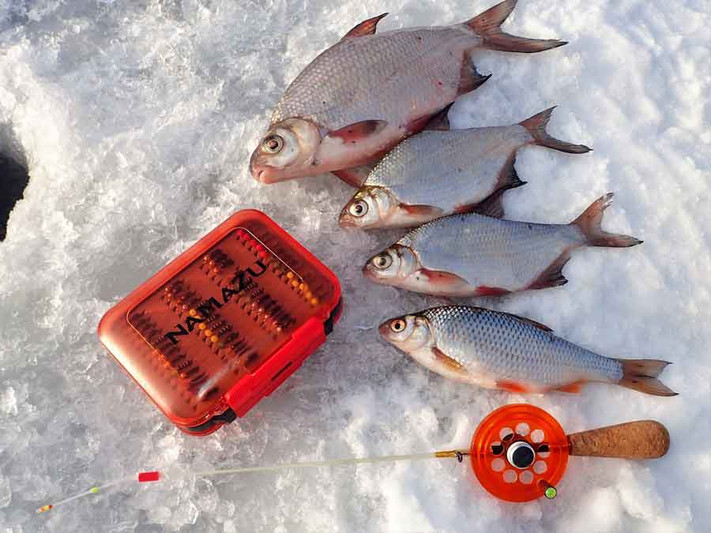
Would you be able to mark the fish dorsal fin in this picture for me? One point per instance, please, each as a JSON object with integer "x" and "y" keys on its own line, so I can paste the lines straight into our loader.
{"x": 520, "y": 318}
{"x": 367, "y": 27}
{"x": 354, "y": 133}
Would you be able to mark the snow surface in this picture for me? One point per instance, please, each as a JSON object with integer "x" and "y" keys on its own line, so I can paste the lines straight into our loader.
{"x": 137, "y": 119}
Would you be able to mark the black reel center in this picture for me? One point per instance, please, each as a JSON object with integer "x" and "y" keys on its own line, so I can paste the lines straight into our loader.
{"x": 520, "y": 454}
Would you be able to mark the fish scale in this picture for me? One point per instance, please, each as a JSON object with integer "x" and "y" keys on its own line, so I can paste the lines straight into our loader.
{"x": 491, "y": 252}
{"x": 400, "y": 62}
{"x": 415, "y": 177}
{"x": 508, "y": 349}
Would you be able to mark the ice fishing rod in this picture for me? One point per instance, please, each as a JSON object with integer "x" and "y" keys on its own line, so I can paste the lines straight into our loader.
{"x": 518, "y": 453}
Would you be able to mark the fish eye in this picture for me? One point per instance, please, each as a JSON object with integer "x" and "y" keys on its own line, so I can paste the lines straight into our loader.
{"x": 273, "y": 144}
{"x": 358, "y": 209}
{"x": 397, "y": 325}
{"x": 382, "y": 261}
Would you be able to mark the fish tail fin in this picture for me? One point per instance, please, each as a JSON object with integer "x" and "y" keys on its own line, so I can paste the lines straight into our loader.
{"x": 590, "y": 224}
{"x": 487, "y": 25}
{"x": 641, "y": 375}
{"x": 536, "y": 126}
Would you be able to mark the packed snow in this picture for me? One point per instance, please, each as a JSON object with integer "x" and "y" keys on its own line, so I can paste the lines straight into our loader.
{"x": 136, "y": 120}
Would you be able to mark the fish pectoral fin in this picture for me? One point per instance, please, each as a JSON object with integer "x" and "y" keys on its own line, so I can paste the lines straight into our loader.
{"x": 553, "y": 275}
{"x": 511, "y": 386}
{"x": 440, "y": 278}
{"x": 425, "y": 211}
{"x": 367, "y": 27}
{"x": 354, "y": 133}
{"x": 451, "y": 364}
{"x": 572, "y": 388}
{"x": 356, "y": 176}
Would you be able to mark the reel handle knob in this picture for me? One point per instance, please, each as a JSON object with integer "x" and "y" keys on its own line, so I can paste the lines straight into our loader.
{"x": 644, "y": 439}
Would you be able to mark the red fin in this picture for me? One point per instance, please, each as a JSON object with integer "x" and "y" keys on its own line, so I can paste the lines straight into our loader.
{"x": 448, "y": 361}
{"x": 356, "y": 176}
{"x": 553, "y": 275}
{"x": 421, "y": 210}
{"x": 590, "y": 224}
{"x": 367, "y": 27}
{"x": 573, "y": 388}
{"x": 488, "y": 26}
{"x": 536, "y": 126}
{"x": 641, "y": 375}
{"x": 511, "y": 386}
{"x": 490, "y": 291}
{"x": 469, "y": 77}
{"x": 441, "y": 277}
{"x": 359, "y": 131}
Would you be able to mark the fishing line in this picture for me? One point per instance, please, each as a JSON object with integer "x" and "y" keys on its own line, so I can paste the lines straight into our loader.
{"x": 155, "y": 476}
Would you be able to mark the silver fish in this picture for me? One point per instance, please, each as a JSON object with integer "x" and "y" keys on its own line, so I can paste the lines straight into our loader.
{"x": 438, "y": 173}
{"x": 502, "y": 351}
{"x": 365, "y": 94}
{"x": 475, "y": 255}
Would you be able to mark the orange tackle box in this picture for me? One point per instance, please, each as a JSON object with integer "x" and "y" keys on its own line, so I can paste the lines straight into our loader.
{"x": 225, "y": 323}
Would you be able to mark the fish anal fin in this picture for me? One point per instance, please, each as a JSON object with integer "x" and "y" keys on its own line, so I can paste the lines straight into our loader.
{"x": 367, "y": 27}
{"x": 573, "y": 388}
{"x": 359, "y": 131}
{"x": 440, "y": 121}
{"x": 553, "y": 275}
{"x": 491, "y": 206}
{"x": 469, "y": 77}
{"x": 508, "y": 178}
{"x": 511, "y": 386}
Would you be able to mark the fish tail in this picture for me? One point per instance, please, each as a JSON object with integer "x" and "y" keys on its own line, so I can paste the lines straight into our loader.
{"x": 590, "y": 221}
{"x": 487, "y": 25}
{"x": 536, "y": 126}
{"x": 641, "y": 375}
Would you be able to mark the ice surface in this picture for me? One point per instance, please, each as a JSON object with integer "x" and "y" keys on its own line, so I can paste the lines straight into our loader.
{"x": 136, "y": 120}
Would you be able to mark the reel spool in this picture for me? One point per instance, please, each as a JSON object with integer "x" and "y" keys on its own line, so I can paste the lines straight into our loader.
{"x": 519, "y": 452}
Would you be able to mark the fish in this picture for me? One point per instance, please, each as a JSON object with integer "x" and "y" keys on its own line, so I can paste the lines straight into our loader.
{"x": 365, "y": 94}
{"x": 474, "y": 255}
{"x": 438, "y": 173}
{"x": 497, "y": 350}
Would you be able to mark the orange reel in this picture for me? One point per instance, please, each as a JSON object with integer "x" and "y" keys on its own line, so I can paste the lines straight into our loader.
{"x": 519, "y": 453}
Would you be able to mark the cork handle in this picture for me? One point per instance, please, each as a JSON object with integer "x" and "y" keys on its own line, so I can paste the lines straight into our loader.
{"x": 645, "y": 439}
